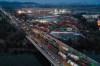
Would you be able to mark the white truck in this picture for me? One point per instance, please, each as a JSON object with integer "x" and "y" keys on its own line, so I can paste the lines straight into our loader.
{"x": 72, "y": 63}
{"x": 73, "y": 56}
{"x": 66, "y": 49}
{"x": 62, "y": 55}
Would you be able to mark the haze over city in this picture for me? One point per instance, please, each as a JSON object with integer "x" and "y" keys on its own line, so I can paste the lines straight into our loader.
{"x": 59, "y": 1}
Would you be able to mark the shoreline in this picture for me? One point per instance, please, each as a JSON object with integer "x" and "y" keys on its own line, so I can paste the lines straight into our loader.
{"x": 43, "y": 61}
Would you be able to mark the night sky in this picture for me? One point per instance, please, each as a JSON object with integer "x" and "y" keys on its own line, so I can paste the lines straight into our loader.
{"x": 60, "y": 1}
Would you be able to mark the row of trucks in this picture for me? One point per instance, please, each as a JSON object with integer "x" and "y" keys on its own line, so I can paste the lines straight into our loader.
{"x": 71, "y": 58}
{"x": 64, "y": 56}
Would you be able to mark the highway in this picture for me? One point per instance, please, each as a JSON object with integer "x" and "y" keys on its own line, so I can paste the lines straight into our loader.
{"x": 54, "y": 58}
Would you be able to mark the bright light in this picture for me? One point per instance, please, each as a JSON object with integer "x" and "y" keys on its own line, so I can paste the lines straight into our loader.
{"x": 98, "y": 23}
{"x": 19, "y": 12}
{"x": 55, "y": 10}
{"x": 29, "y": 11}
{"x": 63, "y": 11}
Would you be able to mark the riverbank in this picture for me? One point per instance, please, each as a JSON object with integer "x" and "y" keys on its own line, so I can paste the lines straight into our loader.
{"x": 8, "y": 59}
{"x": 22, "y": 58}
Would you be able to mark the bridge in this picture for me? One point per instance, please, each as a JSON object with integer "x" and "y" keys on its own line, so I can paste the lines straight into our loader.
{"x": 56, "y": 56}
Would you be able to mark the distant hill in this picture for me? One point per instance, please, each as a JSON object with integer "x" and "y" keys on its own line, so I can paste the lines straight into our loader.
{"x": 10, "y": 5}
{"x": 15, "y": 5}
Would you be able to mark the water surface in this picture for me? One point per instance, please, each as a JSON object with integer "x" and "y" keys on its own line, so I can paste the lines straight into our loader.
{"x": 7, "y": 59}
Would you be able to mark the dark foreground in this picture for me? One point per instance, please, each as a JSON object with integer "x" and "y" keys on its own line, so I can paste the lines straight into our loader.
{"x": 23, "y": 59}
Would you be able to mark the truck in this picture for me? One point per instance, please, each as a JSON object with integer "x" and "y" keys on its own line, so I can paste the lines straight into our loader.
{"x": 73, "y": 56}
{"x": 62, "y": 50}
{"x": 53, "y": 49}
{"x": 66, "y": 49}
{"x": 72, "y": 63}
{"x": 62, "y": 55}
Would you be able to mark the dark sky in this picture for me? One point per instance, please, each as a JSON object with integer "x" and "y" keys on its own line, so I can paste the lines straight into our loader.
{"x": 60, "y": 1}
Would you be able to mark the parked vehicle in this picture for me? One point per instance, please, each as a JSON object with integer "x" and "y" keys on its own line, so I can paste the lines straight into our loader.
{"x": 66, "y": 49}
{"x": 52, "y": 57}
{"x": 57, "y": 61}
{"x": 62, "y": 55}
{"x": 73, "y": 56}
{"x": 72, "y": 63}
{"x": 54, "y": 49}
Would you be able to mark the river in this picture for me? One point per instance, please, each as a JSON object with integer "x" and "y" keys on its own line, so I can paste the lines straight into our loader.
{"x": 9, "y": 59}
